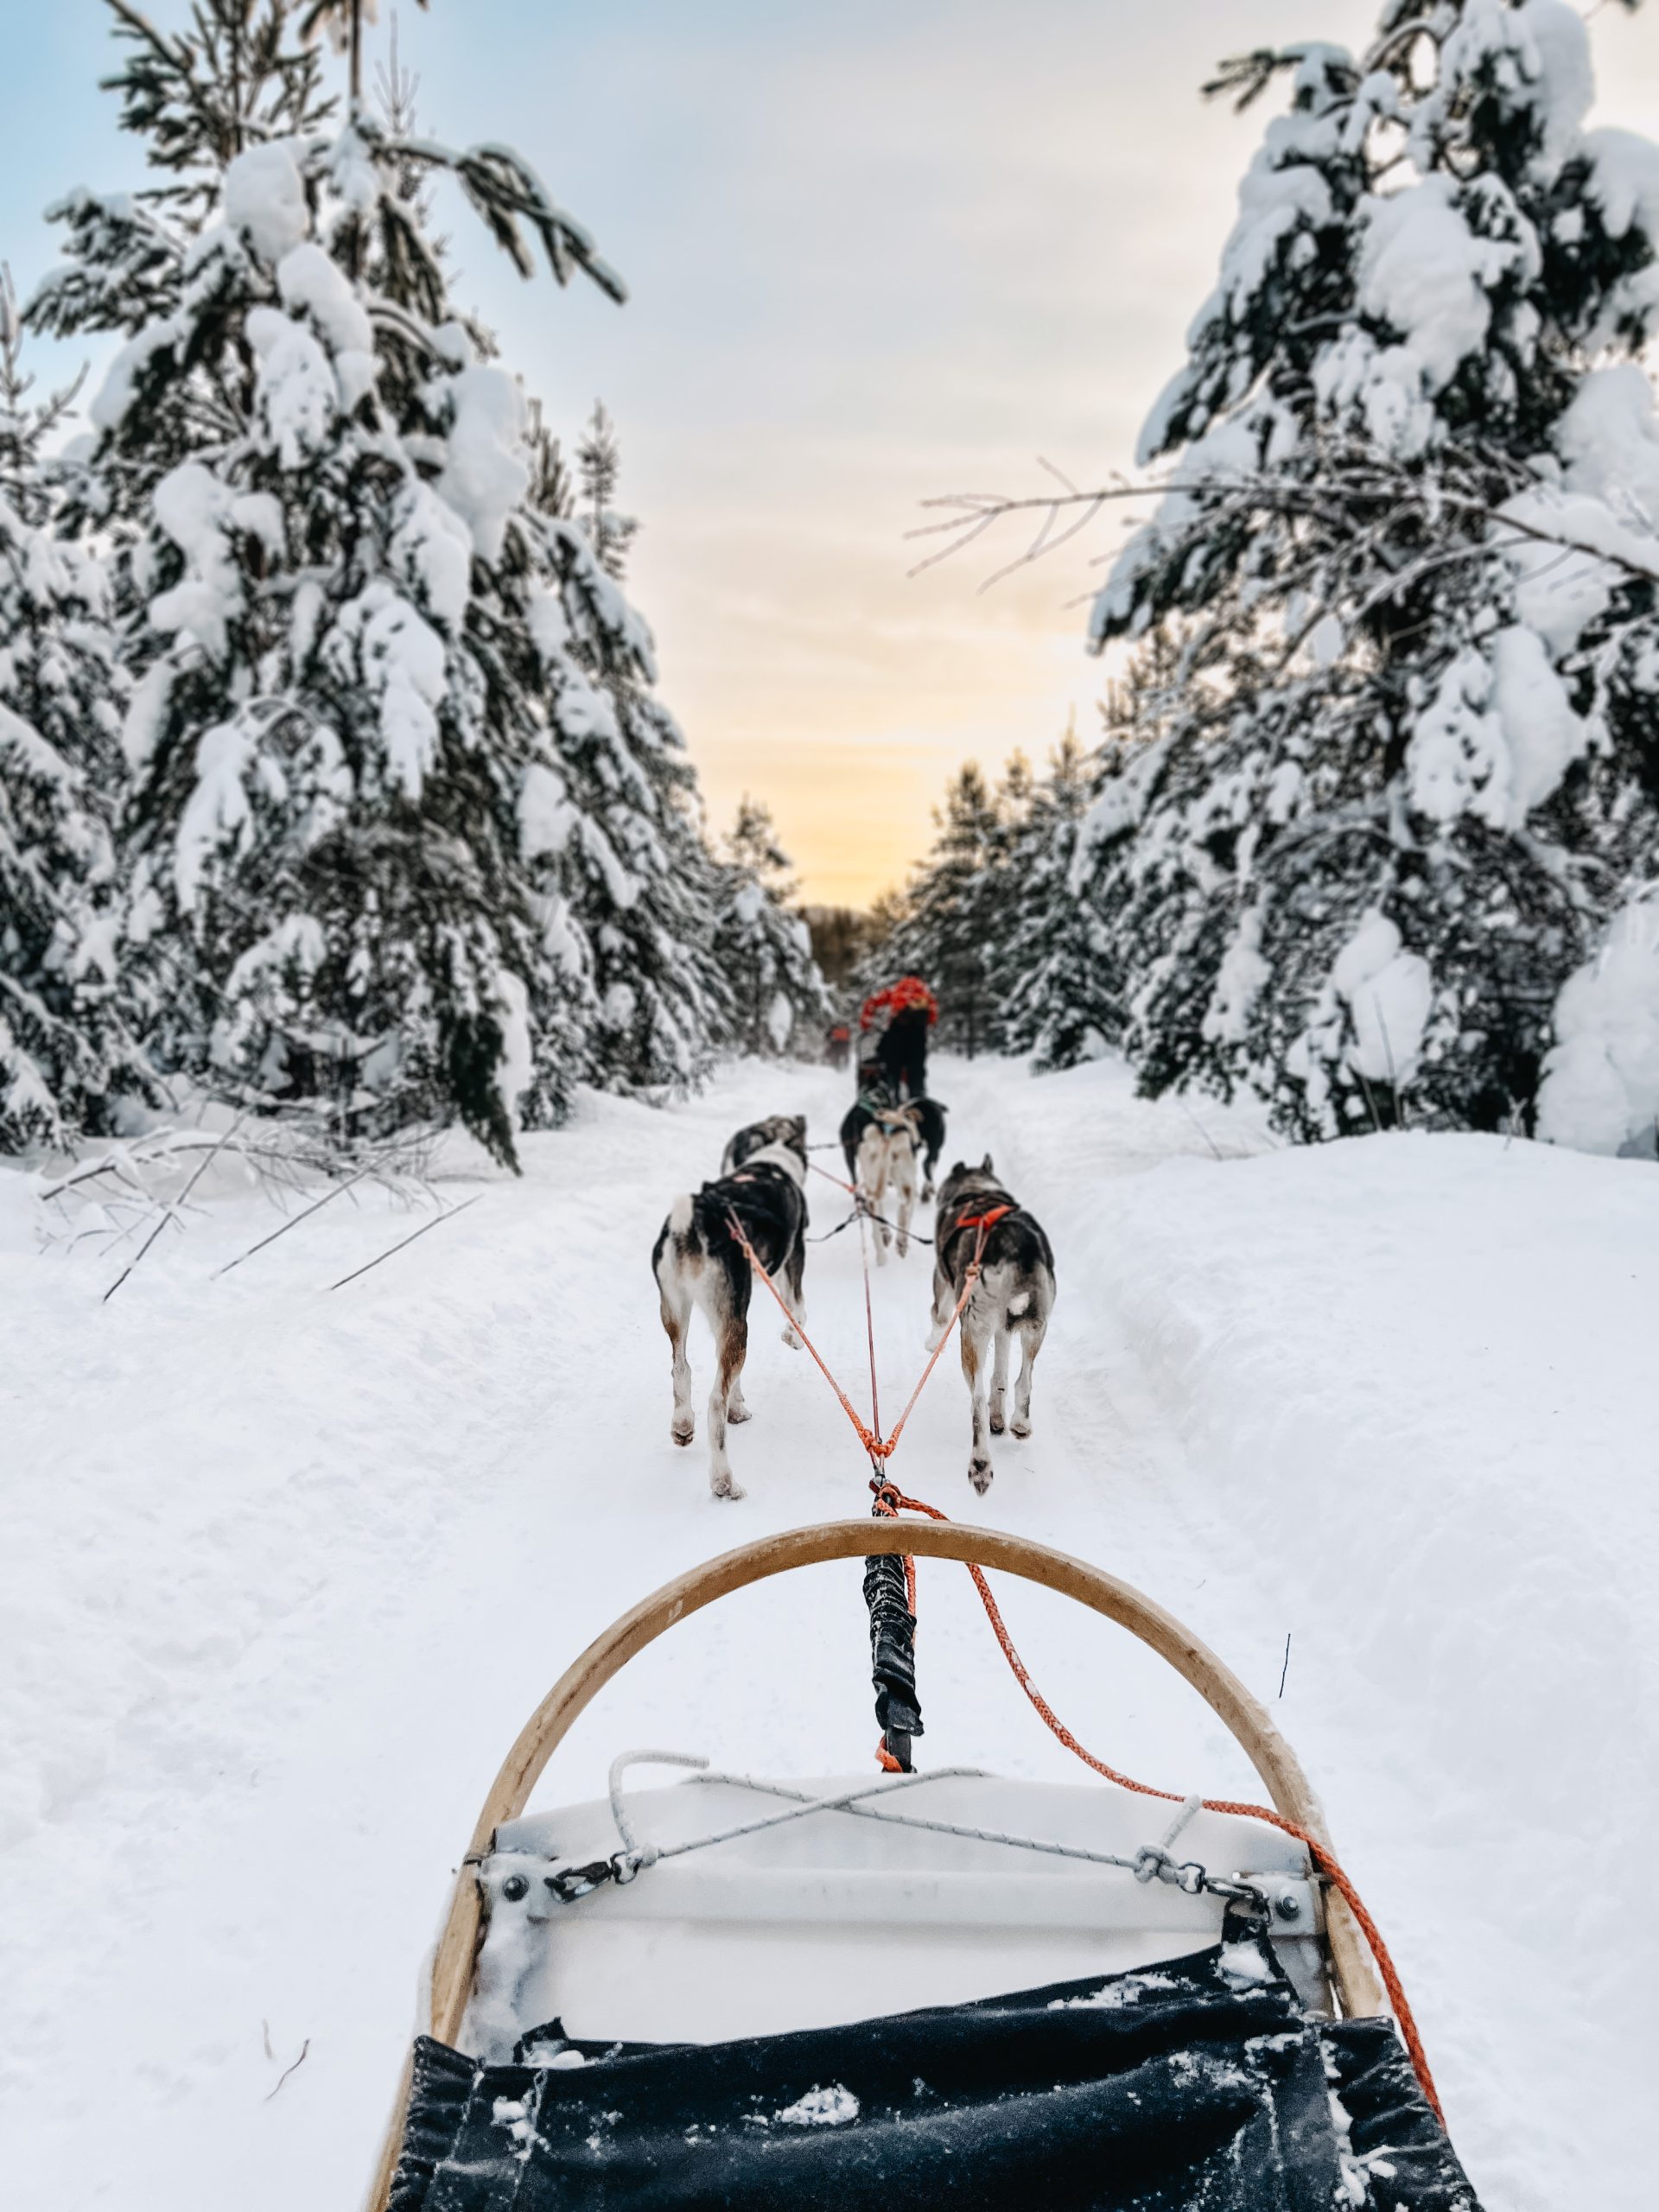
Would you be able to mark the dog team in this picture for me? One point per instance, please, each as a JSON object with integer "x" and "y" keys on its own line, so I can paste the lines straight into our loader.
{"x": 891, "y": 1146}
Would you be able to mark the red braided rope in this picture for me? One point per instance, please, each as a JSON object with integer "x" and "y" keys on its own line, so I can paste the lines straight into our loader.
{"x": 878, "y": 1447}
{"x": 889, "y": 1502}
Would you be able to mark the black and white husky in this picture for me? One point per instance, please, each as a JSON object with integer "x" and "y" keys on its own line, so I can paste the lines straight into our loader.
{"x": 881, "y": 1144}
{"x": 926, "y": 1117}
{"x": 1014, "y": 1296}
{"x": 777, "y": 1129}
{"x": 699, "y": 1262}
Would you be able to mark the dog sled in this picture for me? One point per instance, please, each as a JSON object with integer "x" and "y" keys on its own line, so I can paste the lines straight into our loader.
{"x": 935, "y": 1988}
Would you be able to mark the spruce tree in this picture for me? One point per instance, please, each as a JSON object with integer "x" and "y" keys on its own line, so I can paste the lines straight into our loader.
{"x": 627, "y": 851}
{"x": 779, "y": 1002}
{"x": 948, "y": 930}
{"x": 67, "y": 1059}
{"x": 356, "y": 698}
{"x": 1047, "y": 959}
{"x": 1413, "y": 772}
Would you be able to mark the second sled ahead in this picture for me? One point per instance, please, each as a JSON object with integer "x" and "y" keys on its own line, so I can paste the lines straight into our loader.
{"x": 944, "y": 1989}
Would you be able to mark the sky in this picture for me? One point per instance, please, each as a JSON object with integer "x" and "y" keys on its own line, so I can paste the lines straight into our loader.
{"x": 877, "y": 254}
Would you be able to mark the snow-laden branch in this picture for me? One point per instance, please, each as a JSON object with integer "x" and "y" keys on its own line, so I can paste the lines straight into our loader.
{"x": 503, "y": 188}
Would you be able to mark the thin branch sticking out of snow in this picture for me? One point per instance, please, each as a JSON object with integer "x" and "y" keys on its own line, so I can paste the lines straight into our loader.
{"x": 287, "y": 2071}
{"x": 170, "y": 1212}
{"x": 403, "y": 1241}
{"x": 293, "y": 1220}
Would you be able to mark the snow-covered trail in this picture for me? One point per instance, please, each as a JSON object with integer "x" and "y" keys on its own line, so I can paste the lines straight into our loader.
{"x": 289, "y": 1567}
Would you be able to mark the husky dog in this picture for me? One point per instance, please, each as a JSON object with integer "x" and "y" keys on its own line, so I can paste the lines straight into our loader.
{"x": 1015, "y": 1295}
{"x": 699, "y": 1262}
{"x": 926, "y": 1117}
{"x": 929, "y": 1128}
{"x": 880, "y": 1144}
{"x": 777, "y": 1129}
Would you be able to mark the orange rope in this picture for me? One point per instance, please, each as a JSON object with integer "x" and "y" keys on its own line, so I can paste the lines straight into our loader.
{"x": 866, "y": 1436}
{"x": 984, "y": 1223}
{"x": 873, "y": 1443}
{"x": 890, "y": 1502}
{"x": 869, "y": 1322}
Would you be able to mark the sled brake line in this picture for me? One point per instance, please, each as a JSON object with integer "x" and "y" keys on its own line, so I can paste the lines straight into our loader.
{"x": 889, "y": 1502}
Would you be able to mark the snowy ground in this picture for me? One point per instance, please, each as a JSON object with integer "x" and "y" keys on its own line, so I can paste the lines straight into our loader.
{"x": 287, "y": 1568}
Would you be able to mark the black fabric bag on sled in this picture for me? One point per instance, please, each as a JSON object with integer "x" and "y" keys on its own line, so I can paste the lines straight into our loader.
{"x": 1199, "y": 2085}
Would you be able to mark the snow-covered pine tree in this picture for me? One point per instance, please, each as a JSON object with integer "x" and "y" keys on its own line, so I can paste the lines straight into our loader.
{"x": 67, "y": 1058}
{"x": 1047, "y": 959}
{"x": 356, "y": 691}
{"x": 841, "y": 938}
{"x": 1414, "y": 771}
{"x": 876, "y": 961}
{"x": 623, "y": 837}
{"x": 780, "y": 1000}
{"x": 949, "y": 927}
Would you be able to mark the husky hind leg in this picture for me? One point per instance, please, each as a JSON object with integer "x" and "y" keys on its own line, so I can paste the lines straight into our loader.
{"x": 904, "y": 1181}
{"x": 676, "y": 1297}
{"x": 944, "y": 1300}
{"x": 677, "y": 1319}
{"x": 975, "y": 1347}
{"x": 999, "y": 1380}
{"x": 1032, "y": 1333}
{"x": 731, "y": 1348}
{"x": 871, "y": 1182}
{"x": 793, "y": 1287}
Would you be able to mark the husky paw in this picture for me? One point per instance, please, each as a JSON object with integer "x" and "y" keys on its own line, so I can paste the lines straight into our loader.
{"x": 724, "y": 1487}
{"x": 792, "y": 1339}
{"x": 980, "y": 1471}
{"x": 997, "y": 1424}
{"x": 683, "y": 1427}
{"x": 1019, "y": 1427}
{"x": 739, "y": 1412}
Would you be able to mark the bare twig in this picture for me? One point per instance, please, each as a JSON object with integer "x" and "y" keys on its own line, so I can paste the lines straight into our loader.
{"x": 169, "y": 1212}
{"x": 1199, "y": 1127}
{"x": 965, "y": 516}
{"x": 403, "y": 1241}
{"x": 293, "y": 1220}
{"x": 1285, "y": 1670}
{"x": 287, "y": 2071}
{"x": 1377, "y": 1119}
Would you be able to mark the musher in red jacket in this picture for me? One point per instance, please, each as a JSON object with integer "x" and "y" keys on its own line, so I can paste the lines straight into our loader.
{"x": 899, "y": 1018}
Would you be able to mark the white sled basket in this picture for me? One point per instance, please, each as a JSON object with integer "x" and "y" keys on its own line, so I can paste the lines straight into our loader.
{"x": 723, "y": 1906}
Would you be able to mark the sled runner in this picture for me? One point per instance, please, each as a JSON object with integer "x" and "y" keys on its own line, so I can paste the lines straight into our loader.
{"x": 933, "y": 1989}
